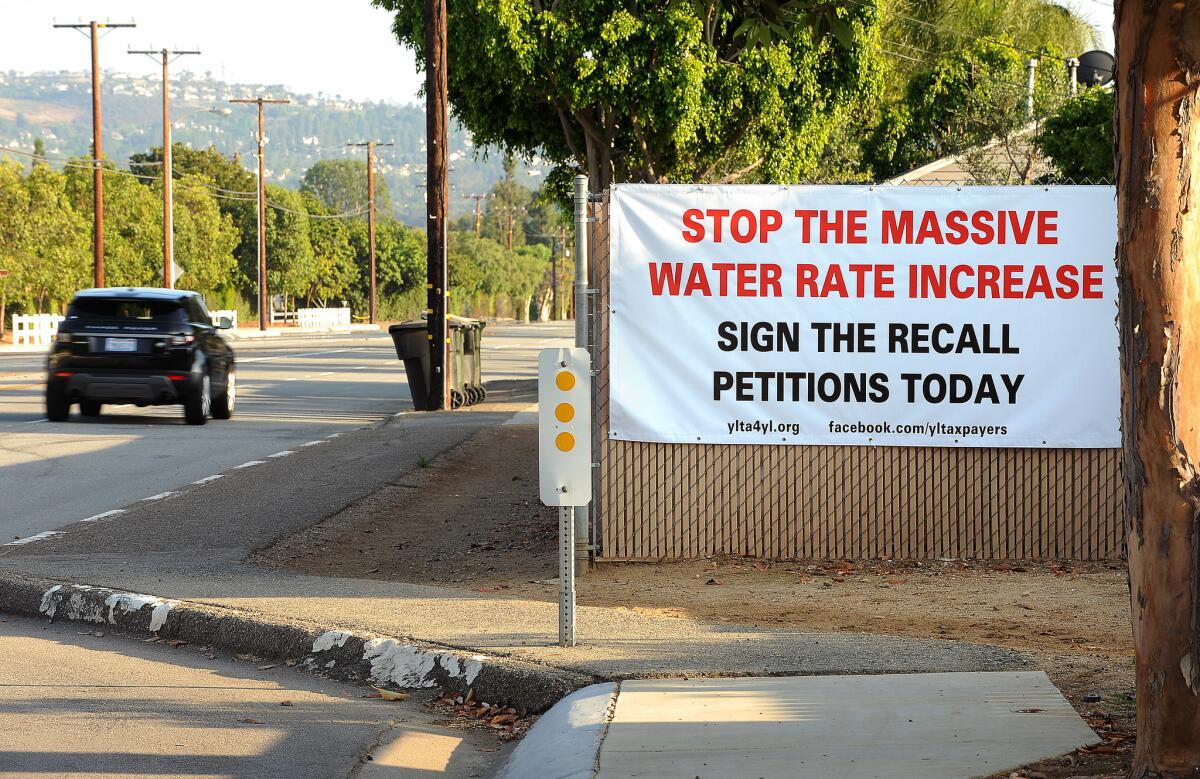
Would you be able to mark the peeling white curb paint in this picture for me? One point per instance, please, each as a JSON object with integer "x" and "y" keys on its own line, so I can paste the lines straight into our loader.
{"x": 284, "y": 453}
{"x": 209, "y": 479}
{"x": 312, "y": 443}
{"x": 159, "y": 496}
{"x": 250, "y": 464}
{"x": 406, "y": 665}
{"x": 78, "y": 606}
{"x": 105, "y": 515}
{"x": 39, "y": 537}
{"x": 329, "y": 639}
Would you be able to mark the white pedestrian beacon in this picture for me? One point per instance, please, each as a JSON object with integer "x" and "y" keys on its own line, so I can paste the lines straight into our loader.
{"x": 565, "y": 459}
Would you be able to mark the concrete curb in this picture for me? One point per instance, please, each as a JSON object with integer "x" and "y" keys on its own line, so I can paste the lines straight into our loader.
{"x": 565, "y": 743}
{"x": 340, "y": 654}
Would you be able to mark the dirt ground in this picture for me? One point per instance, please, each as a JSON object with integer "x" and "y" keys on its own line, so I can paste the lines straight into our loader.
{"x": 486, "y": 531}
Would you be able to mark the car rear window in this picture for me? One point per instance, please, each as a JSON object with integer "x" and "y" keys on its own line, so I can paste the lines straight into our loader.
{"x": 116, "y": 308}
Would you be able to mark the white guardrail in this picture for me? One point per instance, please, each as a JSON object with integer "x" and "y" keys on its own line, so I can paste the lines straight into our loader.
{"x": 322, "y": 318}
{"x": 215, "y": 316}
{"x": 35, "y": 329}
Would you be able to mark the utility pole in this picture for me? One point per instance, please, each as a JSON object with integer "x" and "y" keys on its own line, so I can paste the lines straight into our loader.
{"x": 93, "y": 29}
{"x": 263, "y": 315}
{"x": 168, "y": 182}
{"x": 371, "y": 218}
{"x": 1031, "y": 82}
{"x": 478, "y": 214}
{"x": 437, "y": 131}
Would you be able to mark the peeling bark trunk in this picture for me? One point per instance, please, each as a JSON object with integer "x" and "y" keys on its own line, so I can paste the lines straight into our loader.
{"x": 1158, "y": 251}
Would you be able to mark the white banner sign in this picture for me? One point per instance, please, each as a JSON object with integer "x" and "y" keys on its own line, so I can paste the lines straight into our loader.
{"x": 906, "y": 316}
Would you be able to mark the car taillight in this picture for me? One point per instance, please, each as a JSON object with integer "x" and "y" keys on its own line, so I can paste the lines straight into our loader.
{"x": 62, "y": 374}
{"x": 177, "y": 376}
{"x": 63, "y": 338}
{"x": 182, "y": 340}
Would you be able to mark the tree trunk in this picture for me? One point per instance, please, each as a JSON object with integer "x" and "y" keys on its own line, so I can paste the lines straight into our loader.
{"x": 1158, "y": 248}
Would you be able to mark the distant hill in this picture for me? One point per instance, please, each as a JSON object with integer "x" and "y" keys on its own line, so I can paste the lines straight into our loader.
{"x": 56, "y": 107}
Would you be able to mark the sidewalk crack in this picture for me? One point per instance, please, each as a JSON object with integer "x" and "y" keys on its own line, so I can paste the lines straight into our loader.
{"x": 609, "y": 713}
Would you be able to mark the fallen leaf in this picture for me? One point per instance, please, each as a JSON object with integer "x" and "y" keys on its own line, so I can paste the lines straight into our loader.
{"x": 285, "y": 703}
{"x": 251, "y": 721}
{"x": 1029, "y": 711}
{"x": 177, "y": 643}
{"x": 391, "y": 695}
{"x": 712, "y": 581}
{"x": 267, "y": 667}
{"x": 502, "y": 719}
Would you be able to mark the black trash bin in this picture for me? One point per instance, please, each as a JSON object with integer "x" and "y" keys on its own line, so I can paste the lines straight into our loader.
{"x": 412, "y": 347}
{"x": 465, "y": 375}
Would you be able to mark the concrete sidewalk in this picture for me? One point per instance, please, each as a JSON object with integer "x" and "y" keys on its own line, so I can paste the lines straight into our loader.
{"x": 917, "y": 726}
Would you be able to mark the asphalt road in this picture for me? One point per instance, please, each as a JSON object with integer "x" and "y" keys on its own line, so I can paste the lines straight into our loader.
{"x": 80, "y": 701}
{"x": 291, "y": 392}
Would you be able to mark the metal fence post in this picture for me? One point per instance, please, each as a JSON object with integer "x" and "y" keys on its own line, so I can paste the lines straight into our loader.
{"x": 566, "y": 579}
{"x": 581, "y": 340}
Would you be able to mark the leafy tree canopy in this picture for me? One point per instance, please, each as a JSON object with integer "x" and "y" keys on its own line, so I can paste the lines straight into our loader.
{"x": 689, "y": 90}
{"x": 1079, "y": 137}
{"x": 341, "y": 186}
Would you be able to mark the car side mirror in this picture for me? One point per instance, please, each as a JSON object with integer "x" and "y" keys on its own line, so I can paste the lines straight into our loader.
{"x": 224, "y": 323}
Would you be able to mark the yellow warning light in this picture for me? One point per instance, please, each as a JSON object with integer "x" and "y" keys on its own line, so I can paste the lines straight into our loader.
{"x": 565, "y": 380}
{"x": 564, "y": 412}
{"x": 565, "y": 442}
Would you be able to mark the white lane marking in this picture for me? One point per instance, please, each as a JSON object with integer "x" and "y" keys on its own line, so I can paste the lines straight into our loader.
{"x": 333, "y": 435}
{"x": 289, "y": 379}
{"x": 104, "y": 515}
{"x": 312, "y": 443}
{"x": 325, "y": 373}
{"x": 39, "y": 537}
{"x": 284, "y": 453}
{"x": 159, "y": 496}
{"x": 209, "y": 479}
{"x": 250, "y": 464}
{"x": 287, "y": 356}
{"x": 34, "y": 421}
{"x": 359, "y": 368}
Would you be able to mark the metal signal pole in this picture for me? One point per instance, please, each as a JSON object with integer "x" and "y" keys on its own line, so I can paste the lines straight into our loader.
{"x": 168, "y": 209}
{"x": 371, "y": 217}
{"x": 263, "y": 317}
{"x": 437, "y": 130}
{"x": 93, "y": 28}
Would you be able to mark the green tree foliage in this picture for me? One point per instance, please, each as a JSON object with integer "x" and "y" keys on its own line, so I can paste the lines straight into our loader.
{"x": 56, "y": 258}
{"x": 956, "y": 78}
{"x": 1079, "y": 137}
{"x": 292, "y": 268}
{"x": 205, "y": 238}
{"x": 234, "y": 187}
{"x": 341, "y": 186}
{"x": 336, "y": 271}
{"x": 703, "y": 90}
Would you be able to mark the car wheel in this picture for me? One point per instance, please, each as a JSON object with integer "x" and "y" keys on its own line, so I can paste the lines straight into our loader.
{"x": 197, "y": 404}
{"x": 58, "y": 406}
{"x": 222, "y": 407}
{"x": 90, "y": 408}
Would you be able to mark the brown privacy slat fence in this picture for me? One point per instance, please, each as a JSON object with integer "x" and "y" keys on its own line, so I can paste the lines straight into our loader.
{"x": 685, "y": 501}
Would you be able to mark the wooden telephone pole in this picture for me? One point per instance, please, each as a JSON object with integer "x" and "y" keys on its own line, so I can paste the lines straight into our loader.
{"x": 437, "y": 129}
{"x": 93, "y": 29}
{"x": 263, "y": 313}
{"x": 371, "y": 219}
{"x": 478, "y": 213}
{"x": 168, "y": 182}
{"x": 1158, "y": 239}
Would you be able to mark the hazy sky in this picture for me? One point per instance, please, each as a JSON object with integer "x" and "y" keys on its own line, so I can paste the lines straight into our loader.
{"x": 334, "y": 46}
{"x": 337, "y": 47}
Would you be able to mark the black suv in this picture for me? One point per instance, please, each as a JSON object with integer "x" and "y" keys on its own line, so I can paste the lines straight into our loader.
{"x": 149, "y": 347}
